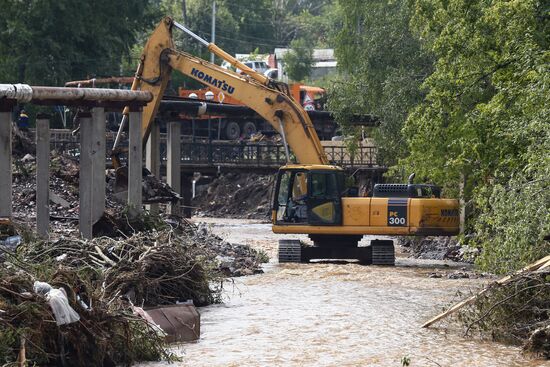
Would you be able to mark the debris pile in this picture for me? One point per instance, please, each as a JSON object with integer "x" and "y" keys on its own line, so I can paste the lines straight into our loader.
{"x": 436, "y": 248}
{"x": 233, "y": 259}
{"x": 72, "y": 302}
{"x": 106, "y": 333}
{"x": 513, "y": 309}
{"x": 514, "y": 313}
{"x": 237, "y": 196}
{"x": 104, "y": 280}
{"x": 22, "y": 141}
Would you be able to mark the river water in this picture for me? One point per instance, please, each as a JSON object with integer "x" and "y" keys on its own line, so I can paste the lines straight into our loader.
{"x": 343, "y": 314}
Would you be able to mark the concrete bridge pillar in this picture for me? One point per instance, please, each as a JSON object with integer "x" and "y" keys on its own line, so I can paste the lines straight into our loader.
{"x": 5, "y": 160}
{"x": 187, "y": 193}
{"x": 92, "y": 169}
{"x": 152, "y": 159}
{"x": 42, "y": 175}
{"x": 85, "y": 179}
{"x": 173, "y": 162}
{"x": 99, "y": 156}
{"x": 135, "y": 157}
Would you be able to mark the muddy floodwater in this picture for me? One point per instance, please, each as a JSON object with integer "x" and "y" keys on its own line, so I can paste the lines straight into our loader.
{"x": 328, "y": 314}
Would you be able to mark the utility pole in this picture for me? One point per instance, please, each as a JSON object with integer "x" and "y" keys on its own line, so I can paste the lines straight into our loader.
{"x": 213, "y": 28}
{"x": 184, "y": 12}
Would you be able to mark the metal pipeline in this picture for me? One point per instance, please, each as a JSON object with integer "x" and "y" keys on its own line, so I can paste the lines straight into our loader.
{"x": 96, "y": 81}
{"x": 27, "y": 93}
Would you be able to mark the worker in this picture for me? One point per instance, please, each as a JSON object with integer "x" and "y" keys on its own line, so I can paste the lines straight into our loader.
{"x": 23, "y": 121}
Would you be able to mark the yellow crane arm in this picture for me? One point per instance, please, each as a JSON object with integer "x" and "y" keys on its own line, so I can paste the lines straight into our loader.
{"x": 286, "y": 116}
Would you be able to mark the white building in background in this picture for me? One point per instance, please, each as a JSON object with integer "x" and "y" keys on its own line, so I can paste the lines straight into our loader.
{"x": 324, "y": 63}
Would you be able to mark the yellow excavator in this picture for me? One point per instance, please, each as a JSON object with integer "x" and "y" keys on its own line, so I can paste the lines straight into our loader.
{"x": 310, "y": 197}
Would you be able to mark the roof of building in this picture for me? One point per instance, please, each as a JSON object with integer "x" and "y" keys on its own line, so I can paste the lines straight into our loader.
{"x": 319, "y": 54}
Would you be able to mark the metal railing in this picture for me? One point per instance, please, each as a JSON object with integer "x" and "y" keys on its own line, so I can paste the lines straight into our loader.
{"x": 229, "y": 153}
{"x": 267, "y": 155}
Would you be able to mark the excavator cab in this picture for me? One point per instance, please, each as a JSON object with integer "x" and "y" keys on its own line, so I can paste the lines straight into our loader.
{"x": 307, "y": 194}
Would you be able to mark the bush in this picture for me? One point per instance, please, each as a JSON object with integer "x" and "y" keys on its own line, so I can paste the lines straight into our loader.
{"x": 513, "y": 223}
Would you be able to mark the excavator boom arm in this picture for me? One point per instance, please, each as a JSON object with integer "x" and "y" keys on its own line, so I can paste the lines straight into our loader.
{"x": 286, "y": 116}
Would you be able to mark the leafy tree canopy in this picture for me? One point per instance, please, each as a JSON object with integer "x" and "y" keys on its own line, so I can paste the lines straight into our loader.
{"x": 299, "y": 60}
{"x": 383, "y": 66}
{"x": 52, "y": 41}
{"x": 486, "y": 118}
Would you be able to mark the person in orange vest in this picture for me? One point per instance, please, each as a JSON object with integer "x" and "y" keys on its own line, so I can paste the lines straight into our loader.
{"x": 23, "y": 121}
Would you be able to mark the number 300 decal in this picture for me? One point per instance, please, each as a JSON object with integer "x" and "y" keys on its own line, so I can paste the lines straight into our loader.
{"x": 397, "y": 215}
{"x": 397, "y": 221}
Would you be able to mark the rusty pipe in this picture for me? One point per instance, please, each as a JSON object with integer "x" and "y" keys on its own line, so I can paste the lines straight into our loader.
{"x": 94, "y": 81}
{"x": 26, "y": 93}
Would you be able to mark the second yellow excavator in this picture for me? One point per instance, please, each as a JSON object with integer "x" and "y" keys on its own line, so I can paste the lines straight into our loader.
{"x": 310, "y": 197}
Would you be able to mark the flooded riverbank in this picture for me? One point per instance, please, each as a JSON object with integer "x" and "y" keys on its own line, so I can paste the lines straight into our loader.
{"x": 328, "y": 314}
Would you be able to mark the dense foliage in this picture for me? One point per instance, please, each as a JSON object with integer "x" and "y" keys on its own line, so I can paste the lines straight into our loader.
{"x": 50, "y": 42}
{"x": 299, "y": 60}
{"x": 486, "y": 119}
{"x": 383, "y": 67}
{"x": 463, "y": 89}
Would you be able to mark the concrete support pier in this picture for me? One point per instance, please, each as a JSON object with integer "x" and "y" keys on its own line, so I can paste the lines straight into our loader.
{"x": 5, "y": 162}
{"x": 173, "y": 163}
{"x": 42, "y": 175}
{"x": 92, "y": 169}
{"x": 135, "y": 156}
{"x": 86, "y": 175}
{"x": 98, "y": 157}
{"x": 152, "y": 159}
{"x": 187, "y": 193}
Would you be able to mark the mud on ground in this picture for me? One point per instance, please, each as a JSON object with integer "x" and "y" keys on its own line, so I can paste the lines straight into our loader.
{"x": 236, "y": 195}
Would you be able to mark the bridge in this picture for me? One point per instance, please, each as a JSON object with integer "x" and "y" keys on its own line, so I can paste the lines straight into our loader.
{"x": 210, "y": 157}
{"x": 222, "y": 155}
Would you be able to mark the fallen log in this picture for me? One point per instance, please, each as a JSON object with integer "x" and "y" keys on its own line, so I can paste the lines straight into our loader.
{"x": 540, "y": 264}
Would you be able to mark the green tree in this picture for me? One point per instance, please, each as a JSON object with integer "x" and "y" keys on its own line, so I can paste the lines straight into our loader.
{"x": 382, "y": 67}
{"x": 485, "y": 118}
{"x": 50, "y": 42}
{"x": 299, "y": 60}
{"x": 294, "y": 19}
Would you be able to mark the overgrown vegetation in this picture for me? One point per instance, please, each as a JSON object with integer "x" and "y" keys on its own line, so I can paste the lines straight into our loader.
{"x": 462, "y": 88}
{"x": 299, "y": 60}
{"x": 514, "y": 313}
{"x": 383, "y": 66}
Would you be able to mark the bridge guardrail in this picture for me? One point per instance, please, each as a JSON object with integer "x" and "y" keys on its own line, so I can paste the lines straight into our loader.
{"x": 267, "y": 155}
{"x": 214, "y": 153}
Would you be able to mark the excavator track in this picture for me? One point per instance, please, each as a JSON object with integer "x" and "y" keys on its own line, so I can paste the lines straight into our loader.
{"x": 383, "y": 252}
{"x": 290, "y": 251}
